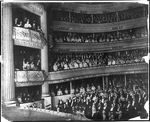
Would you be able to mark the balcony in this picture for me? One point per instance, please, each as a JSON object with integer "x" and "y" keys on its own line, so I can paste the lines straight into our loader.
{"x": 68, "y": 75}
{"x": 98, "y": 28}
{"x": 29, "y": 78}
{"x": 89, "y": 47}
{"x": 28, "y": 38}
{"x": 94, "y": 7}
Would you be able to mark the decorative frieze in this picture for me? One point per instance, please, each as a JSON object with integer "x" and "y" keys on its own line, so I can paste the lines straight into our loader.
{"x": 29, "y": 38}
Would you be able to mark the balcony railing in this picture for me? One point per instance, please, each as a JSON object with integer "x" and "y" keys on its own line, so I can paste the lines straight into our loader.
{"x": 28, "y": 38}
{"x": 29, "y": 78}
{"x": 117, "y": 45}
{"x": 68, "y": 75}
{"x": 97, "y": 28}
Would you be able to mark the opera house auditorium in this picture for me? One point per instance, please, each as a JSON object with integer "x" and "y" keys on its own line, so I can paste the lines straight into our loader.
{"x": 75, "y": 61}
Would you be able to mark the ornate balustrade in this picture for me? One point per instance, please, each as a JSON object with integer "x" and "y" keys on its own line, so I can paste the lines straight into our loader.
{"x": 115, "y": 46}
{"x": 74, "y": 74}
{"x": 29, "y": 78}
{"x": 97, "y": 28}
{"x": 28, "y": 38}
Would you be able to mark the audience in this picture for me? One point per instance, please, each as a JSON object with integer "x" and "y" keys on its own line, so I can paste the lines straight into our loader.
{"x": 28, "y": 97}
{"x": 112, "y": 103}
{"x": 73, "y": 60}
{"x": 105, "y": 17}
{"x": 25, "y": 23}
{"x": 27, "y": 61}
{"x": 114, "y": 36}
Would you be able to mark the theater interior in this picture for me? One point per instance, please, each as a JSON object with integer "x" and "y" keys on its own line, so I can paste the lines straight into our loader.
{"x": 75, "y": 61}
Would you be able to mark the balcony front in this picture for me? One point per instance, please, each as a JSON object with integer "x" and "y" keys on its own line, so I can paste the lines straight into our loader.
{"x": 28, "y": 38}
{"x": 80, "y": 73}
{"x": 105, "y": 47}
{"x": 29, "y": 78}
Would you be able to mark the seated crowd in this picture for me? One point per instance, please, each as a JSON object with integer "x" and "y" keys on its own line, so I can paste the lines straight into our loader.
{"x": 59, "y": 90}
{"x": 114, "y": 36}
{"x": 105, "y": 17}
{"x": 73, "y": 60}
{"x": 25, "y": 23}
{"x": 109, "y": 103}
{"x": 23, "y": 97}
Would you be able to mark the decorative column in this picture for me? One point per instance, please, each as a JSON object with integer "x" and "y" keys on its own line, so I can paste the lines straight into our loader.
{"x": 8, "y": 84}
{"x": 44, "y": 55}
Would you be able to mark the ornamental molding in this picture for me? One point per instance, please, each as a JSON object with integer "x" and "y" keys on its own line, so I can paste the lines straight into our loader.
{"x": 96, "y": 75}
{"x": 28, "y": 38}
{"x": 67, "y": 75}
{"x": 29, "y": 76}
{"x": 35, "y": 8}
{"x": 34, "y": 83}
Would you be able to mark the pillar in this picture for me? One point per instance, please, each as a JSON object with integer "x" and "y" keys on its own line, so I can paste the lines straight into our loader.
{"x": 103, "y": 82}
{"x": 117, "y": 15}
{"x": 70, "y": 87}
{"x": 125, "y": 79}
{"x": 8, "y": 83}
{"x": 106, "y": 82}
{"x": 44, "y": 55}
{"x": 69, "y": 16}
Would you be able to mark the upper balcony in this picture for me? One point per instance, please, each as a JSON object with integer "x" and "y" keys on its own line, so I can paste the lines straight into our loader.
{"x": 68, "y": 75}
{"x": 96, "y": 8}
{"x": 97, "y": 28}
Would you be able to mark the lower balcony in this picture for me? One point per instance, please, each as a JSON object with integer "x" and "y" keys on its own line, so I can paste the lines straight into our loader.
{"x": 68, "y": 75}
{"x": 29, "y": 78}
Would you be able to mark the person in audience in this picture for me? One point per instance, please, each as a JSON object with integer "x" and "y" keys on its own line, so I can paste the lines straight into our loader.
{"x": 59, "y": 92}
{"x": 88, "y": 88}
{"x": 19, "y": 98}
{"x": 17, "y": 23}
{"x": 34, "y": 26}
{"x": 27, "y": 24}
{"x": 66, "y": 91}
{"x": 93, "y": 87}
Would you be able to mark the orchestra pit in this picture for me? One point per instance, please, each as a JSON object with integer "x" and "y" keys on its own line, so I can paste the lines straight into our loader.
{"x": 75, "y": 61}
